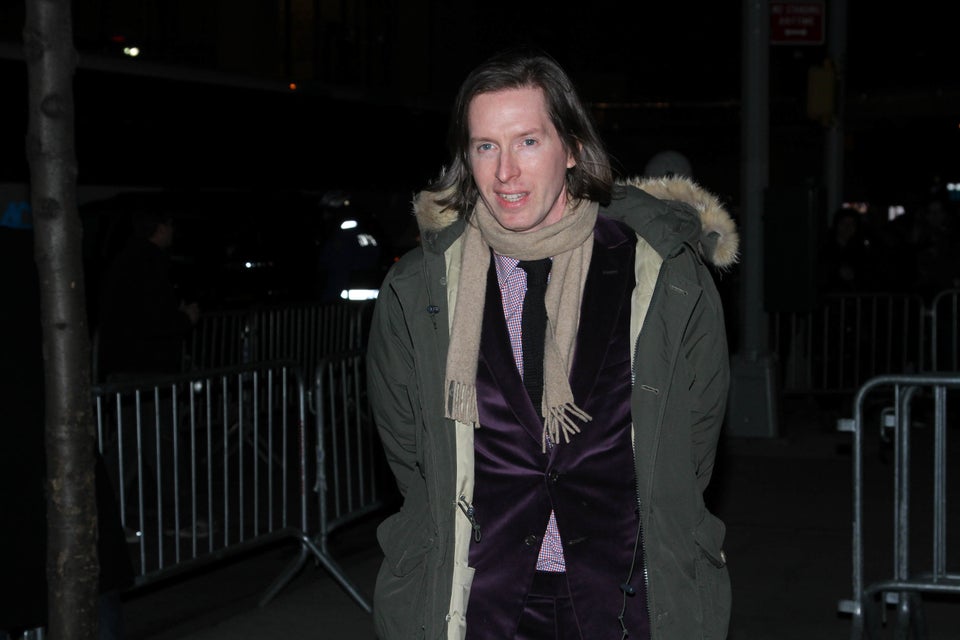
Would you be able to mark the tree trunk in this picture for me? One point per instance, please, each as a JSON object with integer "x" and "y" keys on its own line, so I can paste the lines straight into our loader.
{"x": 72, "y": 564}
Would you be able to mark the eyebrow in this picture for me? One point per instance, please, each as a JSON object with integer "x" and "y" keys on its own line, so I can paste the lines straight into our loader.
{"x": 524, "y": 134}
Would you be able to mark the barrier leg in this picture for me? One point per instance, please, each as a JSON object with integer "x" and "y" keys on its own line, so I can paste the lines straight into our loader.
{"x": 338, "y": 574}
{"x": 308, "y": 546}
{"x": 284, "y": 578}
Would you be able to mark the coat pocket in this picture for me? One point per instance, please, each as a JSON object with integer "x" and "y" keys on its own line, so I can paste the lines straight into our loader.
{"x": 405, "y": 539}
{"x": 399, "y": 602}
{"x": 709, "y": 537}
{"x": 713, "y": 579}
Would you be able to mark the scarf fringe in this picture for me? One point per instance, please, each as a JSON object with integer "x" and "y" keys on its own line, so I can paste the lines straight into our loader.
{"x": 462, "y": 402}
{"x": 562, "y": 419}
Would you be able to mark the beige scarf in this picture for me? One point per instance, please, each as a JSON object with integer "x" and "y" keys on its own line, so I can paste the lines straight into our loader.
{"x": 570, "y": 242}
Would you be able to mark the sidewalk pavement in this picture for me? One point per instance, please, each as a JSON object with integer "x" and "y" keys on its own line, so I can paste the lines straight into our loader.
{"x": 786, "y": 501}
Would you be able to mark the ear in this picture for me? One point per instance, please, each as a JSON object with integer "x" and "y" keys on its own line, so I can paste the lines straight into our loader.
{"x": 571, "y": 160}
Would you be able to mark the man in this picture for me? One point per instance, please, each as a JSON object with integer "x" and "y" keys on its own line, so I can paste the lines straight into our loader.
{"x": 579, "y": 515}
{"x": 143, "y": 320}
{"x": 143, "y": 323}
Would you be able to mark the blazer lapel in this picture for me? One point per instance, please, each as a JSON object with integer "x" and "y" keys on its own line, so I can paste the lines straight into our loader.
{"x": 608, "y": 287}
{"x": 496, "y": 355}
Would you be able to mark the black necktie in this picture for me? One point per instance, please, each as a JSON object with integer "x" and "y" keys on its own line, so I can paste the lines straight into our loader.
{"x": 533, "y": 325}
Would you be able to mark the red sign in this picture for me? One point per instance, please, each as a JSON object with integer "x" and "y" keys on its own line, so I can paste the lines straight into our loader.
{"x": 796, "y": 22}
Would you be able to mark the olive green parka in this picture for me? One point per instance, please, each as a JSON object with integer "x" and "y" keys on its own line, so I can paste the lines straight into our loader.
{"x": 681, "y": 381}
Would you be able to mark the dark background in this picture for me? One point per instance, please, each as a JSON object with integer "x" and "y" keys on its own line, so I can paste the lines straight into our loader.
{"x": 208, "y": 106}
{"x": 208, "y": 101}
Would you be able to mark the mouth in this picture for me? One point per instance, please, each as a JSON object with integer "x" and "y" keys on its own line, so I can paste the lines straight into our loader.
{"x": 512, "y": 198}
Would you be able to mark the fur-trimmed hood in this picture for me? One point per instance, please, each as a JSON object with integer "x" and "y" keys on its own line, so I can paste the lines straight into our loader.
{"x": 717, "y": 237}
{"x": 666, "y": 212}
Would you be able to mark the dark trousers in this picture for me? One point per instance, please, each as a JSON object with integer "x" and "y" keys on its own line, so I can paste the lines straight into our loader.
{"x": 548, "y": 613}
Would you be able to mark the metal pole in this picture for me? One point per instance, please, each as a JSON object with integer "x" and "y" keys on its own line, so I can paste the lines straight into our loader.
{"x": 833, "y": 143}
{"x": 752, "y": 395}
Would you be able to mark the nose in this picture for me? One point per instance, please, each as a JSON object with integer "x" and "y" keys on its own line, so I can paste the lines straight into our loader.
{"x": 507, "y": 168}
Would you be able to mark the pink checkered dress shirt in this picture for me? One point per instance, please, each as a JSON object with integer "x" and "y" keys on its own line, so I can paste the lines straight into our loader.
{"x": 513, "y": 286}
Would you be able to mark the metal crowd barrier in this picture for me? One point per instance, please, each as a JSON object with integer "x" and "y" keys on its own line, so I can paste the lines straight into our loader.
{"x": 352, "y": 480}
{"x": 304, "y": 333}
{"x": 945, "y": 321}
{"x": 912, "y": 417}
{"x": 232, "y": 449}
{"x": 851, "y": 338}
{"x": 205, "y": 464}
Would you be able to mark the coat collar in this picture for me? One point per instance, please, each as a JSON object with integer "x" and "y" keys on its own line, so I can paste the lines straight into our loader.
{"x": 667, "y": 212}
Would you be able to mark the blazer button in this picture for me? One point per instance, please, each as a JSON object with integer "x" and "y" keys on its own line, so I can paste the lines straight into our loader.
{"x": 530, "y": 540}
{"x": 553, "y": 476}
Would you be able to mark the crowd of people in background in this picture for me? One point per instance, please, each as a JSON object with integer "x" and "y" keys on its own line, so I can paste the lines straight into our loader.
{"x": 915, "y": 252}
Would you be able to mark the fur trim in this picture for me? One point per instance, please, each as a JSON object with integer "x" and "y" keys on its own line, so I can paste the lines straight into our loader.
{"x": 719, "y": 240}
{"x": 430, "y": 215}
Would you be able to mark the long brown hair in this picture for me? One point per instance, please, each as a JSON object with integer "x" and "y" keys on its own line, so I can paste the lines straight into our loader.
{"x": 590, "y": 178}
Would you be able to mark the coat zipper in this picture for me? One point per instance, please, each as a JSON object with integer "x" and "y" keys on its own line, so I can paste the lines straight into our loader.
{"x": 626, "y": 588}
{"x": 471, "y": 514}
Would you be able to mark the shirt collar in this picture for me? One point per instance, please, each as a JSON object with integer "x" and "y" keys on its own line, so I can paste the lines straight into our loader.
{"x": 505, "y": 267}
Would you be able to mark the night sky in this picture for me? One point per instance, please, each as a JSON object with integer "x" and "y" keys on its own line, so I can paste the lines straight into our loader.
{"x": 627, "y": 55}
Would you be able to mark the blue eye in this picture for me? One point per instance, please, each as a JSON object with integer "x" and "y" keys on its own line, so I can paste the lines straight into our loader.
{"x": 529, "y": 142}
{"x": 486, "y": 146}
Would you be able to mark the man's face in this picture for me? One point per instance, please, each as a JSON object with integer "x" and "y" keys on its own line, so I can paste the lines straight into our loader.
{"x": 163, "y": 236}
{"x": 517, "y": 159}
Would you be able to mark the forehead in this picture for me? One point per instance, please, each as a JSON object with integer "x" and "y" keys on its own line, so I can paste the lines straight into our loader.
{"x": 516, "y": 110}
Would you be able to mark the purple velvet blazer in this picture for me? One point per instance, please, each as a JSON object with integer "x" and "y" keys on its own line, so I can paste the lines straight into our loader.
{"x": 588, "y": 482}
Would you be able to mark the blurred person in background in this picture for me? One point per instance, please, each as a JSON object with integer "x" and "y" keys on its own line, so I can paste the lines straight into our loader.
{"x": 935, "y": 239}
{"x": 143, "y": 321}
{"x": 143, "y": 325}
{"x": 846, "y": 257}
